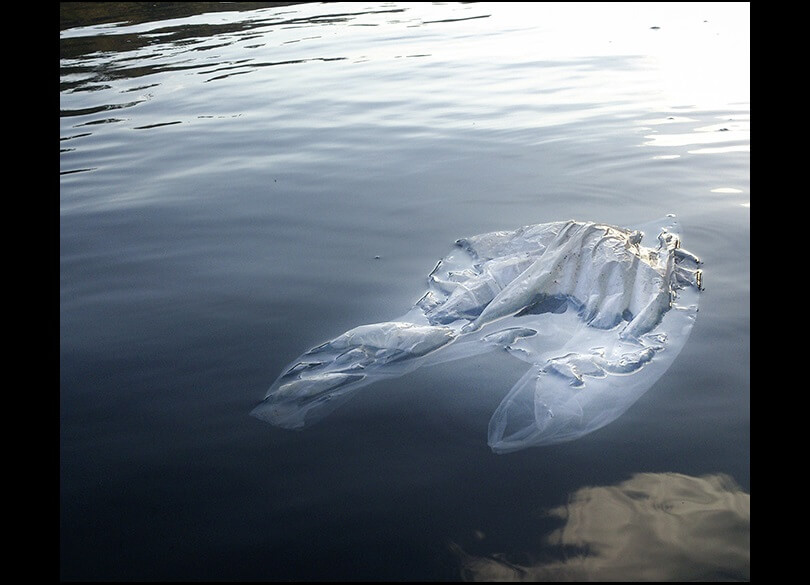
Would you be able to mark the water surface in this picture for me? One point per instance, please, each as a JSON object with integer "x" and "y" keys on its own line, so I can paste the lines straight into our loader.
{"x": 240, "y": 182}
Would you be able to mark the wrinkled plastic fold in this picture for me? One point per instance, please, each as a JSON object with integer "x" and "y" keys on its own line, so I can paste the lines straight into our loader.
{"x": 599, "y": 312}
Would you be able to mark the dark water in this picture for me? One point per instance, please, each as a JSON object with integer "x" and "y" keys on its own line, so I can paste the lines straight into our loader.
{"x": 231, "y": 174}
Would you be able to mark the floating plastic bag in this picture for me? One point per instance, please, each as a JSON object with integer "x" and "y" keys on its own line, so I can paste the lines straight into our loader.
{"x": 600, "y": 312}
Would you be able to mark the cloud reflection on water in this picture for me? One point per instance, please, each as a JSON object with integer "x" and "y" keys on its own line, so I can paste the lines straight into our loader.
{"x": 652, "y": 527}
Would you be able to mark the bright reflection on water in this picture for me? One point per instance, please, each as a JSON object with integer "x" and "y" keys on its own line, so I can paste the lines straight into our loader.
{"x": 243, "y": 180}
{"x": 652, "y": 527}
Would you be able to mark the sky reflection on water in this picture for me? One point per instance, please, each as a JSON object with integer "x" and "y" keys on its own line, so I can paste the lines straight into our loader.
{"x": 652, "y": 527}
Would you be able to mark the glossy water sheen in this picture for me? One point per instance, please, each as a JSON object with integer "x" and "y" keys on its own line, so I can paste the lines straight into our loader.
{"x": 241, "y": 181}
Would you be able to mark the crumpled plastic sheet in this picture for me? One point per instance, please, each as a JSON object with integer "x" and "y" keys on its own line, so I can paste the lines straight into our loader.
{"x": 599, "y": 313}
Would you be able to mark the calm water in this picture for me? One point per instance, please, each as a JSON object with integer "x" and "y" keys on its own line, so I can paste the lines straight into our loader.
{"x": 243, "y": 181}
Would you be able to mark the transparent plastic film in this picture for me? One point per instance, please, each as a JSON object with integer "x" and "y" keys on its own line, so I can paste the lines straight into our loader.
{"x": 598, "y": 312}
